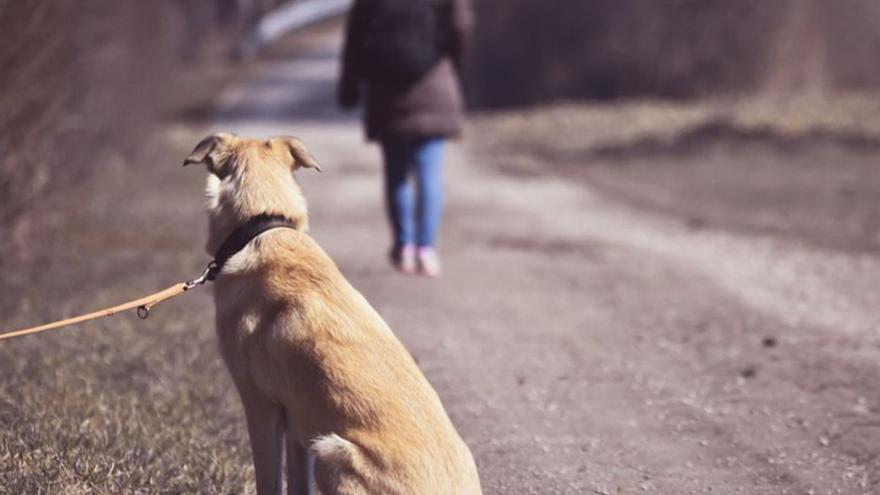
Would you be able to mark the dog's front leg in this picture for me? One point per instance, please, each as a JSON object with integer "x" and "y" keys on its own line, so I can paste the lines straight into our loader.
{"x": 264, "y": 420}
{"x": 299, "y": 479}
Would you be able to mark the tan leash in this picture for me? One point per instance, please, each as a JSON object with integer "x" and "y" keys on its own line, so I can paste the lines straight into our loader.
{"x": 236, "y": 241}
{"x": 143, "y": 306}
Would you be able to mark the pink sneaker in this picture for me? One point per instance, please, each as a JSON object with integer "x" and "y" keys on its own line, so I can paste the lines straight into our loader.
{"x": 404, "y": 258}
{"x": 429, "y": 262}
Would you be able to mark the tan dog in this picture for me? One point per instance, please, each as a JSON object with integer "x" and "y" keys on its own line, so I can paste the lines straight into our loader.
{"x": 313, "y": 361}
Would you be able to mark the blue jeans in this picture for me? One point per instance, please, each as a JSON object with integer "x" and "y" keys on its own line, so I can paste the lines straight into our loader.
{"x": 422, "y": 158}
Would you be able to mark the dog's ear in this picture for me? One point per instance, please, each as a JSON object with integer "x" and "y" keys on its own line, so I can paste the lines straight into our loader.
{"x": 212, "y": 151}
{"x": 298, "y": 152}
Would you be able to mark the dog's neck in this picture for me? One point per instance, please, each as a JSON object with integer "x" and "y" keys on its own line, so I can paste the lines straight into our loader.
{"x": 221, "y": 234}
{"x": 243, "y": 235}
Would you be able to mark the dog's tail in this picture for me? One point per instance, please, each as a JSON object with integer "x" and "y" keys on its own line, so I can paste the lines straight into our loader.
{"x": 340, "y": 464}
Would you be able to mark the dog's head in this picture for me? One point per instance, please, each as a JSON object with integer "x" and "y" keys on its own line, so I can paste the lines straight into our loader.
{"x": 249, "y": 177}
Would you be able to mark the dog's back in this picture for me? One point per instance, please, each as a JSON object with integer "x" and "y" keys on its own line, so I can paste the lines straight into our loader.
{"x": 350, "y": 388}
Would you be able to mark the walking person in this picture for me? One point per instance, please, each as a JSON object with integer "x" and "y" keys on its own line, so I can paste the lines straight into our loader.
{"x": 402, "y": 60}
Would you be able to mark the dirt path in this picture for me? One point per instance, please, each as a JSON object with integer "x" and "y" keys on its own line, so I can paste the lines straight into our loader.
{"x": 581, "y": 346}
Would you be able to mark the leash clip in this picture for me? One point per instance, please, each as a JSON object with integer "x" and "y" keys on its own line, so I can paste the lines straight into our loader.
{"x": 208, "y": 274}
{"x": 143, "y": 312}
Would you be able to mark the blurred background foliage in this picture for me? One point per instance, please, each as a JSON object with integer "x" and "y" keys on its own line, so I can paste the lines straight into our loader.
{"x": 531, "y": 52}
{"x": 82, "y": 81}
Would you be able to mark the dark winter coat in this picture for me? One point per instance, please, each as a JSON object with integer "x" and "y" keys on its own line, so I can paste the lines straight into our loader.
{"x": 432, "y": 107}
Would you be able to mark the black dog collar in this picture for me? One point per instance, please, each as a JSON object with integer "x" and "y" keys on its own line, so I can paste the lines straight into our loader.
{"x": 240, "y": 237}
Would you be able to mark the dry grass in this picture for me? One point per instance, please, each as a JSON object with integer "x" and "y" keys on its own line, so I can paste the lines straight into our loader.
{"x": 119, "y": 405}
{"x": 95, "y": 210}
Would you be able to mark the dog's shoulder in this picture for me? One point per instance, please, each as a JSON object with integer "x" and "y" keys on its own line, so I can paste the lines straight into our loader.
{"x": 296, "y": 254}
{"x": 295, "y": 266}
